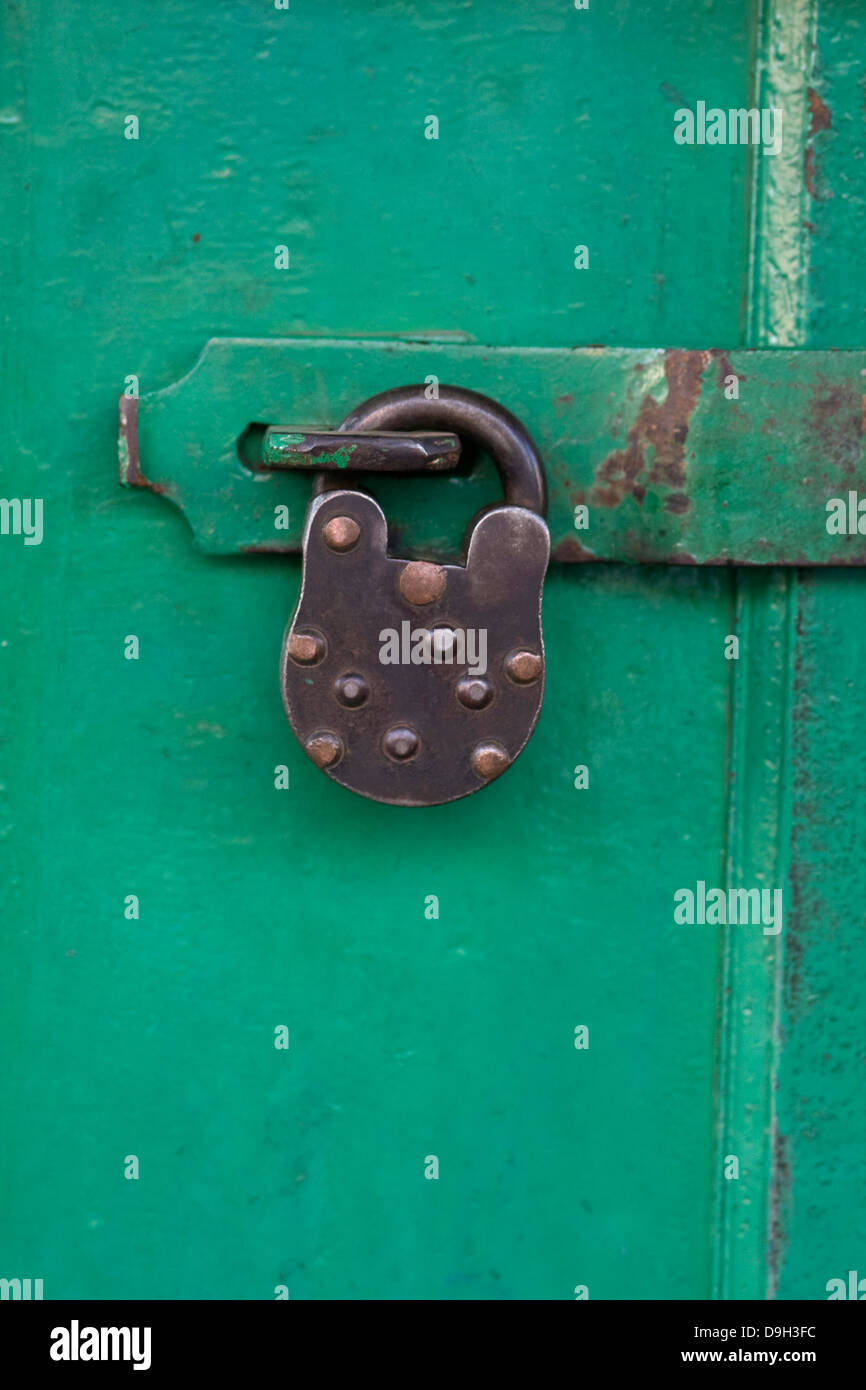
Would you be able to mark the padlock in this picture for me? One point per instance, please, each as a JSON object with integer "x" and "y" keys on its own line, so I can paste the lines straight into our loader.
{"x": 410, "y": 682}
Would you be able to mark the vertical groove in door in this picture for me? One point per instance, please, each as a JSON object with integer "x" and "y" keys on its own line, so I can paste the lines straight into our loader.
{"x": 748, "y": 1225}
{"x": 754, "y": 858}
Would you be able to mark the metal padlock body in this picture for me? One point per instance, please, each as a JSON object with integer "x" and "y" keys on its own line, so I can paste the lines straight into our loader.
{"x": 381, "y": 678}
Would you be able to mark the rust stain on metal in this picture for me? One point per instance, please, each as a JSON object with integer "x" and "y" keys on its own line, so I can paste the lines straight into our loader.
{"x": 662, "y": 426}
{"x": 726, "y": 368}
{"x": 129, "y": 462}
{"x": 780, "y": 1199}
{"x": 130, "y": 470}
{"x": 642, "y": 549}
{"x": 676, "y": 502}
{"x": 820, "y": 119}
{"x": 797, "y": 880}
{"x": 809, "y": 170}
{"x": 821, "y": 116}
{"x": 571, "y": 552}
{"x": 836, "y": 413}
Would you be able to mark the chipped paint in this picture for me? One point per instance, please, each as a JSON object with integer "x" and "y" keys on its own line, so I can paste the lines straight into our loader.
{"x": 779, "y": 251}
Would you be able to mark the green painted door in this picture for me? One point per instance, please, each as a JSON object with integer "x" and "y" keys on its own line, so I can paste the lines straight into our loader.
{"x": 619, "y": 1103}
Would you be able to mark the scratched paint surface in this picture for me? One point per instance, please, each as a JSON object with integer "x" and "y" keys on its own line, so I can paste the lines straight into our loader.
{"x": 306, "y": 907}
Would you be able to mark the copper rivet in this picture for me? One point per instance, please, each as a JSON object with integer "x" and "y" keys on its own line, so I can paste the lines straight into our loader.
{"x": 400, "y": 743}
{"x": 341, "y": 532}
{"x": 306, "y": 648}
{"x": 524, "y": 667}
{"x": 351, "y": 690}
{"x": 421, "y": 582}
{"x": 474, "y": 691}
{"x": 489, "y": 760}
{"x": 325, "y": 749}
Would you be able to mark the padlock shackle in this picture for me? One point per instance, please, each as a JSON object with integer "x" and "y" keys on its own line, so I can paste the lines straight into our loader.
{"x": 472, "y": 416}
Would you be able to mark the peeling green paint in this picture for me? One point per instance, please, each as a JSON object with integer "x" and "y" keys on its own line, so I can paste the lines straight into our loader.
{"x": 283, "y": 448}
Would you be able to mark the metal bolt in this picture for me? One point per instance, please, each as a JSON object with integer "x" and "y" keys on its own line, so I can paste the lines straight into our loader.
{"x": 421, "y": 582}
{"x": 324, "y": 748}
{"x": 489, "y": 760}
{"x": 524, "y": 667}
{"x": 351, "y": 690}
{"x": 341, "y": 532}
{"x": 306, "y": 648}
{"x": 400, "y": 743}
{"x": 474, "y": 691}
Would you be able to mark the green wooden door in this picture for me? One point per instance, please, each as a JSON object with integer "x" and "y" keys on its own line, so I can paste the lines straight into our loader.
{"x": 582, "y": 1066}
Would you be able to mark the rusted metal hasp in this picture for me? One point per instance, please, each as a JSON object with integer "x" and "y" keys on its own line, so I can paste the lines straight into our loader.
{"x": 652, "y": 455}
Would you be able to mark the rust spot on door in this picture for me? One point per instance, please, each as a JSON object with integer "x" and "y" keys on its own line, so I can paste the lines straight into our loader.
{"x": 820, "y": 119}
{"x": 779, "y": 1212}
